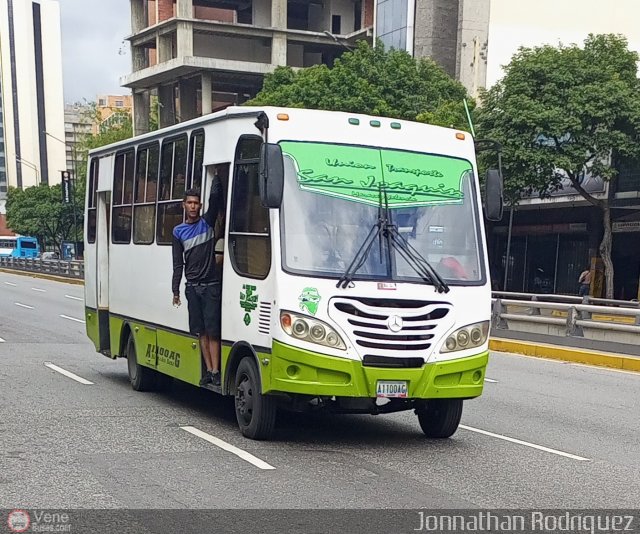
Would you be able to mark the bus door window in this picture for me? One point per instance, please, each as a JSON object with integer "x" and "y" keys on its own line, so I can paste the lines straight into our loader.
{"x": 249, "y": 232}
{"x": 92, "y": 201}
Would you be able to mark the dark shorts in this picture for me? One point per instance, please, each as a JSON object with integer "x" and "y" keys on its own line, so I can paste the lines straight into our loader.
{"x": 204, "y": 304}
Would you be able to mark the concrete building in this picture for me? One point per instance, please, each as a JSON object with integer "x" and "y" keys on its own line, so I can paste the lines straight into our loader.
{"x": 110, "y": 108}
{"x": 454, "y": 33}
{"x": 31, "y": 97}
{"x": 201, "y": 55}
{"x": 77, "y": 124}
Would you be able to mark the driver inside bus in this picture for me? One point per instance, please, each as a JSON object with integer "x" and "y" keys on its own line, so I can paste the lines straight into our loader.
{"x": 194, "y": 251}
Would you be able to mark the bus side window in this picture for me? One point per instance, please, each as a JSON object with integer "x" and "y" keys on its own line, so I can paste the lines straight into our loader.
{"x": 146, "y": 190}
{"x": 122, "y": 197}
{"x": 249, "y": 232}
{"x": 91, "y": 200}
{"x": 171, "y": 187}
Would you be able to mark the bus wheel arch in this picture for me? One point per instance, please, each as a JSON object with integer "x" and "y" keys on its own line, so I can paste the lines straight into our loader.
{"x": 239, "y": 350}
{"x": 141, "y": 378}
{"x": 125, "y": 332}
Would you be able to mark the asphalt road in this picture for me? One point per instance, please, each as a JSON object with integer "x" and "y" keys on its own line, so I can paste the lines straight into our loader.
{"x": 544, "y": 434}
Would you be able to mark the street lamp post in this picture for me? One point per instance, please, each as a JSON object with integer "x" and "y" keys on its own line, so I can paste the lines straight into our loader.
{"x": 32, "y": 166}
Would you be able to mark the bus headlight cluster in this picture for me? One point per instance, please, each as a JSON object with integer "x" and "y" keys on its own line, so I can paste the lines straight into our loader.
{"x": 309, "y": 329}
{"x": 467, "y": 337}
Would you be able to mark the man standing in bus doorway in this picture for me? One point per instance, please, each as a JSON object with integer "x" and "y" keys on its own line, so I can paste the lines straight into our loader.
{"x": 194, "y": 251}
{"x": 585, "y": 281}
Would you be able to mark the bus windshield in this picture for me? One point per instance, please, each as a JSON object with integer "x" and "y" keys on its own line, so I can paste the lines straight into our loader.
{"x": 332, "y": 199}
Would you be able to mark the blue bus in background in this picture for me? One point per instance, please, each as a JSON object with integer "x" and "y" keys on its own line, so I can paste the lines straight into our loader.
{"x": 19, "y": 247}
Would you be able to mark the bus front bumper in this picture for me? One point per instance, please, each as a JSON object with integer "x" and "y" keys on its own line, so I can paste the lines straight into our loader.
{"x": 294, "y": 370}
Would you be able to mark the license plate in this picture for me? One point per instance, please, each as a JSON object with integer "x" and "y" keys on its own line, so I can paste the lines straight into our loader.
{"x": 387, "y": 388}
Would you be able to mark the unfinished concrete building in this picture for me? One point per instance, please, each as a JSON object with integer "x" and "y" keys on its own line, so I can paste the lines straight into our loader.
{"x": 198, "y": 56}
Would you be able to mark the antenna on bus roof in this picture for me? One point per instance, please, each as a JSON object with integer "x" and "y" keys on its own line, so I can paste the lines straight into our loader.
{"x": 466, "y": 108}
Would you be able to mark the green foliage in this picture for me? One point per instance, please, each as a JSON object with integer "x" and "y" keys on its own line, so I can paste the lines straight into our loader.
{"x": 40, "y": 212}
{"x": 560, "y": 109}
{"x": 372, "y": 81}
{"x": 117, "y": 127}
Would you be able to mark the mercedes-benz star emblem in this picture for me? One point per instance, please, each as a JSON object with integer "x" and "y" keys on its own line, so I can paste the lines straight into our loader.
{"x": 394, "y": 323}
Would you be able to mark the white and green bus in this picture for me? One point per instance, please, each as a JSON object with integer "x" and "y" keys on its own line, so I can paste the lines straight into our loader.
{"x": 355, "y": 274}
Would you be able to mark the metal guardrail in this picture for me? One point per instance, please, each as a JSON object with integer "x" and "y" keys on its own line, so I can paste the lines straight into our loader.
{"x": 68, "y": 269}
{"x": 617, "y": 321}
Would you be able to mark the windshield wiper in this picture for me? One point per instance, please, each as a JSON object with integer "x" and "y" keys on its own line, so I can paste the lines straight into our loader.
{"x": 385, "y": 227}
{"x": 363, "y": 252}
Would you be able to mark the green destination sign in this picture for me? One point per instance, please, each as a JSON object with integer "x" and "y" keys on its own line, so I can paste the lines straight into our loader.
{"x": 355, "y": 173}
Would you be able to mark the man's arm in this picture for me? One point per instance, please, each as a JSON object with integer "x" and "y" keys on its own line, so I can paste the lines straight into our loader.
{"x": 178, "y": 264}
{"x": 216, "y": 202}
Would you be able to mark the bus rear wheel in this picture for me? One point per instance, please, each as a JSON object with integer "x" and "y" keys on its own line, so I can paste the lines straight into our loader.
{"x": 142, "y": 378}
{"x": 255, "y": 412}
{"x": 440, "y": 417}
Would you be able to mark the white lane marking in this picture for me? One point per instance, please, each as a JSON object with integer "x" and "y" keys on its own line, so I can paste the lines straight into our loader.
{"x": 1, "y": 340}
{"x": 37, "y": 289}
{"x": 23, "y": 305}
{"x": 72, "y": 319}
{"x": 228, "y": 447}
{"x": 491, "y": 380}
{"x": 526, "y": 444}
{"x": 11, "y": 284}
{"x": 67, "y": 373}
{"x": 72, "y": 297}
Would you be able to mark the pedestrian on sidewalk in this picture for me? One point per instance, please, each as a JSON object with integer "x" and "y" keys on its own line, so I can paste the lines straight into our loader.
{"x": 585, "y": 282}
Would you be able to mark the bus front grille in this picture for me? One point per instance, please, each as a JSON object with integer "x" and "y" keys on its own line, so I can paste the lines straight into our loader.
{"x": 396, "y": 332}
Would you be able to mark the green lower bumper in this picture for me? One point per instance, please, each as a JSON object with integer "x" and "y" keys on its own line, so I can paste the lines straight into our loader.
{"x": 294, "y": 370}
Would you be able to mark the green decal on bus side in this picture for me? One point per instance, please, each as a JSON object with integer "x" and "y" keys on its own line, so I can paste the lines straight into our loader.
{"x": 248, "y": 302}
{"x": 309, "y": 300}
{"x": 356, "y": 173}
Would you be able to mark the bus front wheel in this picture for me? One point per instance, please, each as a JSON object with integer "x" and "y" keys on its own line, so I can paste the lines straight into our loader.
{"x": 142, "y": 378}
{"x": 440, "y": 417}
{"x": 255, "y": 412}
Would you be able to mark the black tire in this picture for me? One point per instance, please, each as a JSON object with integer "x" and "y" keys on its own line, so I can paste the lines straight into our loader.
{"x": 440, "y": 417}
{"x": 142, "y": 378}
{"x": 255, "y": 412}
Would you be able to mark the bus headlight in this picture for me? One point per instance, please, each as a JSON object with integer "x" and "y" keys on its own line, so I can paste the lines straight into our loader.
{"x": 311, "y": 330}
{"x": 467, "y": 337}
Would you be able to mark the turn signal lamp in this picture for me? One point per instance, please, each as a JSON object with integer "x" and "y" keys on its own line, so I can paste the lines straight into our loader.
{"x": 282, "y": 116}
{"x": 460, "y": 136}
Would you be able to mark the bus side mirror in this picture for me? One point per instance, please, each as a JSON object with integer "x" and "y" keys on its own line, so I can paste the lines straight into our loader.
{"x": 271, "y": 175}
{"x": 494, "y": 205}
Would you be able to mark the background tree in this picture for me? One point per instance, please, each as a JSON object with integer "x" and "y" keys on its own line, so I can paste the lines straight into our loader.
{"x": 559, "y": 111}
{"x": 373, "y": 81}
{"x": 40, "y": 212}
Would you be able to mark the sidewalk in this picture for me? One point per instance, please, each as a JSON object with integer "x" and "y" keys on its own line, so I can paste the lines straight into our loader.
{"x": 556, "y": 352}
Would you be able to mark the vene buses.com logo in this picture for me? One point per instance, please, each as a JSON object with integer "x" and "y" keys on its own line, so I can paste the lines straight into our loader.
{"x": 18, "y": 521}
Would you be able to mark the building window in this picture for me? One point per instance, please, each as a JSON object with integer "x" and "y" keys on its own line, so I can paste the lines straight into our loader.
{"x": 122, "y": 198}
{"x": 119, "y": 103}
{"x": 102, "y": 102}
{"x": 249, "y": 232}
{"x": 173, "y": 167}
{"x": 146, "y": 192}
{"x": 335, "y": 24}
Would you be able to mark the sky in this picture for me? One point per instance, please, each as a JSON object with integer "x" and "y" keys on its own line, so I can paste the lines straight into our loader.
{"x": 93, "y": 54}
{"x": 95, "y": 57}
{"x": 515, "y": 23}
